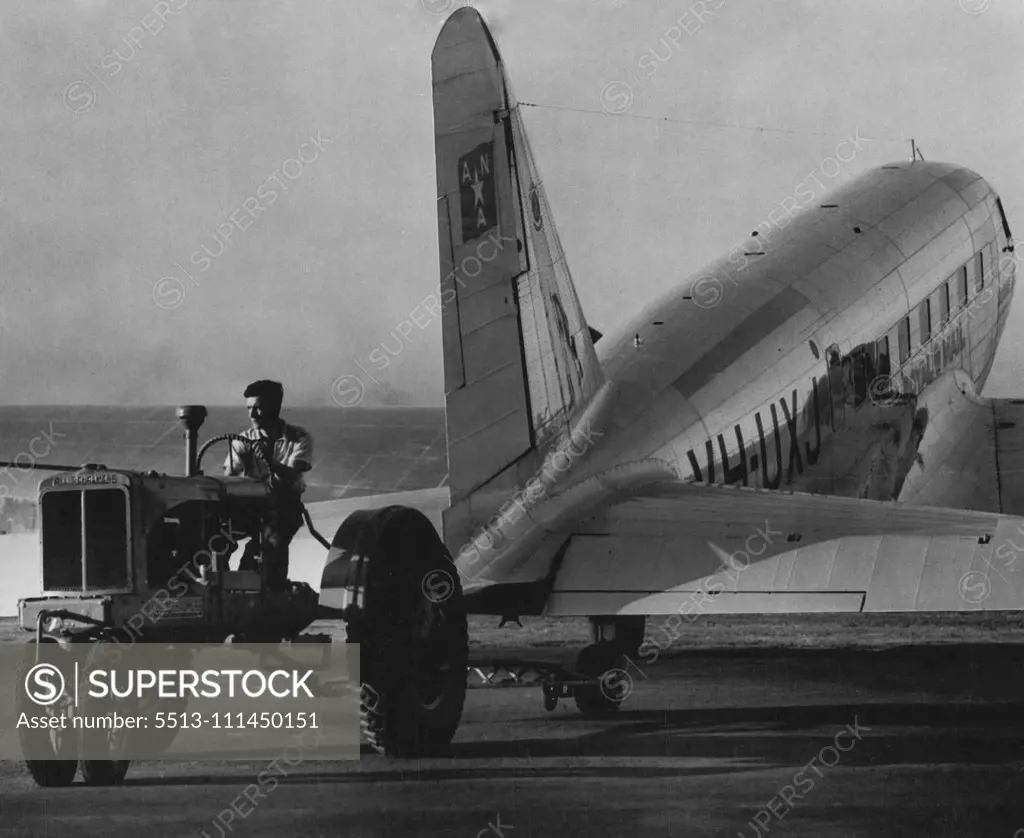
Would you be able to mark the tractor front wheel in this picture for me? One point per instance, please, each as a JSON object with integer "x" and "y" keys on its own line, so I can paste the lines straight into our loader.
{"x": 57, "y": 762}
{"x": 98, "y": 740}
{"x": 104, "y": 772}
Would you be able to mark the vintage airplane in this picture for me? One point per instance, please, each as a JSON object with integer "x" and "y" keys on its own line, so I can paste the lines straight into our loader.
{"x": 791, "y": 428}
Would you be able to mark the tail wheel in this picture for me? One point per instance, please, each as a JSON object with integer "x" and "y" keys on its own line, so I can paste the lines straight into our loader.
{"x": 411, "y": 630}
{"x": 605, "y": 663}
{"x": 61, "y": 763}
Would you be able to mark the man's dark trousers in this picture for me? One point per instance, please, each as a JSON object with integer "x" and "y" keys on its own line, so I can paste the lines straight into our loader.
{"x": 280, "y": 524}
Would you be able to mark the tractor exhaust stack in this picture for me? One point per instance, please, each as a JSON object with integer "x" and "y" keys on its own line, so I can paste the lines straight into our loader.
{"x": 191, "y": 417}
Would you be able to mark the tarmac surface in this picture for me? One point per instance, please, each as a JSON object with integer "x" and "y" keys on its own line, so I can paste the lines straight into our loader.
{"x": 926, "y": 741}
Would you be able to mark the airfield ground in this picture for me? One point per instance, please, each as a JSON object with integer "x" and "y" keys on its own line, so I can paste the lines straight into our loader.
{"x": 715, "y": 731}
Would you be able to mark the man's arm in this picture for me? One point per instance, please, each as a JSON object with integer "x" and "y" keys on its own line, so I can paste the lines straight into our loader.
{"x": 300, "y": 459}
{"x": 234, "y": 465}
{"x": 285, "y": 473}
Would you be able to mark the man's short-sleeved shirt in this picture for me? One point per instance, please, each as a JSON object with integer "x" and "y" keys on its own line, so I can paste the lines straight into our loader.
{"x": 294, "y": 445}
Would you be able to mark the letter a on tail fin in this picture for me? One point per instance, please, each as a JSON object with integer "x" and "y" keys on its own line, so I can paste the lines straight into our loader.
{"x": 519, "y": 360}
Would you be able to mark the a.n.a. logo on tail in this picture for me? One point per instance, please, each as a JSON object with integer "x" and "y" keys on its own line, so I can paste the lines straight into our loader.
{"x": 519, "y": 361}
{"x": 476, "y": 191}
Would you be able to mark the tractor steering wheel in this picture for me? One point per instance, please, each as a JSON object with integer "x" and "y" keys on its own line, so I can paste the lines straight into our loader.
{"x": 256, "y": 449}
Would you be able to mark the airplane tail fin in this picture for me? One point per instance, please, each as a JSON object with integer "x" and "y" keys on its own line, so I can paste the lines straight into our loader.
{"x": 519, "y": 362}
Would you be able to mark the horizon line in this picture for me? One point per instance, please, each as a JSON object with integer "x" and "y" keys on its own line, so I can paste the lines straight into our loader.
{"x": 233, "y": 405}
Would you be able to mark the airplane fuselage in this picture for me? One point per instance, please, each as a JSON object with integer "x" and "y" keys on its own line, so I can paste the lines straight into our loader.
{"x": 780, "y": 368}
{"x": 796, "y": 363}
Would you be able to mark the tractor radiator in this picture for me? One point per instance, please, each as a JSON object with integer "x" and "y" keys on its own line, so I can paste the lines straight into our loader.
{"x": 85, "y": 540}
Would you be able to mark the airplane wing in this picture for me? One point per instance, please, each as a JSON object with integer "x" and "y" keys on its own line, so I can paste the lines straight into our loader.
{"x": 680, "y": 547}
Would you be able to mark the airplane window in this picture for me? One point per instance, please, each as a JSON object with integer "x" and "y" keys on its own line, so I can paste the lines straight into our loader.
{"x": 882, "y": 351}
{"x": 962, "y": 277}
{"x": 979, "y": 277}
{"x": 925, "y": 311}
{"x": 838, "y": 371}
{"x": 904, "y": 337}
{"x": 1006, "y": 226}
{"x": 863, "y": 372}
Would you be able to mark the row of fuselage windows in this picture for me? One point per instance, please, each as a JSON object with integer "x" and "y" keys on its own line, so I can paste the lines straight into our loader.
{"x": 932, "y": 314}
{"x": 874, "y": 360}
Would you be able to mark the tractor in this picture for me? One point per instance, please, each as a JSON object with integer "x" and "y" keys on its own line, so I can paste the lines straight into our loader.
{"x": 140, "y": 557}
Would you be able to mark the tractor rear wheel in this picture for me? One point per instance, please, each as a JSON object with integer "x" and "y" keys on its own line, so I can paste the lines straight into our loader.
{"x": 410, "y": 624}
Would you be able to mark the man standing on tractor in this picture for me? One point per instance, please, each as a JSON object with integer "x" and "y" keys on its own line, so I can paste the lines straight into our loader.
{"x": 285, "y": 452}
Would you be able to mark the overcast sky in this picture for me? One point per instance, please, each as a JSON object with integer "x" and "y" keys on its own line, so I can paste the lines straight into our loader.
{"x": 126, "y": 141}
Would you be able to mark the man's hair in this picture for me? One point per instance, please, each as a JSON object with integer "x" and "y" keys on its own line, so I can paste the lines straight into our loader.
{"x": 269, "y": 391}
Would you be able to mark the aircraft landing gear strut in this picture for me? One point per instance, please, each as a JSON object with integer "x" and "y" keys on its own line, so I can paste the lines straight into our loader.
{"x": 607, "y": 660}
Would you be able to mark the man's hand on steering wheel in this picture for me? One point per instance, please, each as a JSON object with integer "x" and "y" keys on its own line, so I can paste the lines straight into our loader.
{"x": 261, "y": 448}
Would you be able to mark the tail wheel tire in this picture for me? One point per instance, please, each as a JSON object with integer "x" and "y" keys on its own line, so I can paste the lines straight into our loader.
{"x": 411, "y": 629}
{"x": 55, "y": 771}
{"x": 607, "y": 665}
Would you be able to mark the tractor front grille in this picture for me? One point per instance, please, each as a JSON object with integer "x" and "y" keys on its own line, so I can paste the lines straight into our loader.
{"x": 85, "y": 540}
